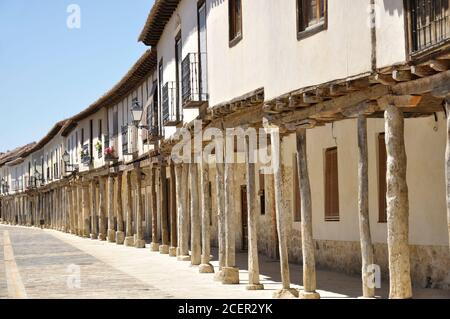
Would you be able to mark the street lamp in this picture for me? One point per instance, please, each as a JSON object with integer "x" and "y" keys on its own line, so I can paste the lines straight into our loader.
{"x": 136, "y": 113}
{"x": 66, "y": 160}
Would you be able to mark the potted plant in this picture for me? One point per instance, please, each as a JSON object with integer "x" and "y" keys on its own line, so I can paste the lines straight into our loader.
{"x": 98, "y": 146}
{"x": 109, "y": 154}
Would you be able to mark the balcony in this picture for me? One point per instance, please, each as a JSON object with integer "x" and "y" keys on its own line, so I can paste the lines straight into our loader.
{"x": 124, "y": 140}
{"x": 171, "y": 110}
{"x": 111, "y": 147}
{"x": 429, "y": 25}
{"x": 129, "y": 140}
{"x": 86, "y": 158}
{"x": 194, "y": 81}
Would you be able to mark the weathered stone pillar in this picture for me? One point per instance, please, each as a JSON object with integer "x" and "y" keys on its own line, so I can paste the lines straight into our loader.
{"x": 230, "y": 273}
{"x": 129, "y": 239}
{"x": 140, "y": 242}
{"x": 120, "y": 234}
{"x": 80, "y": 210}
{"x": 181, "y": 171}
{"x": 221, "y": 225}
{"x": 309, "y": 263}
{"x": 253, "y": 262}
{"x": 111, "y": 230}
{"x": 195, "y": 216}
{"x": 73, "y": 209}
{"x": 102, "y": 209}
{"x": 154, "y": 209}
{"x": 86, "y": 212}
{"x": 447, "y": 161}
{"x": 286, "y": 291}
{"x": 363, "y": 208}
{"x": 173, "y": 214}
{"x": 205, "y": 266}
{"x": 93, "y": 202}
{"x": 397, "y": 205}
{"x": 162, "y": 201}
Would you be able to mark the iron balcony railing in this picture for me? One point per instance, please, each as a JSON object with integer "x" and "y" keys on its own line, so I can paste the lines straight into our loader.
{"x": 85, "y": 155}
{"x": 429, "y": 23}
{"x": 194, "y": 80}
{"x": 171, "y": 110}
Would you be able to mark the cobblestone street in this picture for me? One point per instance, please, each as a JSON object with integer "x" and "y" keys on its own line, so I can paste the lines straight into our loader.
{"x": 37, "y": 263}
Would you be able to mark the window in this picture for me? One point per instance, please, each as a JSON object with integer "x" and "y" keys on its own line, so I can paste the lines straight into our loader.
{"x": 311, "y": 17}
{"x": 262, "y": 193}
{"x": 428, "y": 24}
{"x": 331, "y": 185}
{"x": 382, "y": 159}
{"x": 296, "y": 189}
{"x": 235, "y": 21}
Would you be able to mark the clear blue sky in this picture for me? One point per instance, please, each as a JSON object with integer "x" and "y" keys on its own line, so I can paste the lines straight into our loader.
{"x": 49, "y": 72}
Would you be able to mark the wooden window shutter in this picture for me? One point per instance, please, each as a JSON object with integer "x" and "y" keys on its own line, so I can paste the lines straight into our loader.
{"x": 297, "y": 205}
{"x": 382, "y": 166}
{"x": 331, "y": 185}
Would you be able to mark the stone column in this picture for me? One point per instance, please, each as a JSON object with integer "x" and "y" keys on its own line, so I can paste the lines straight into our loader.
{"x": 162, "y": 201}
{"x": 309, "y": 263}
{"x": 447, "y": 161}
{"x": 181, "y": 171}
{"x": 253, "y": 262}
{"x": 86, "y": 212}
{"x": 80, "y": 211}
{"x": 120, "y": 234}
{"x": 221, "y": 216}
{"x": 129, "y": 239}
{"x": 195, "y": 216}
{"x": 397, "y": 205}
{"x": 140, "y": 242}
{"x": 102, "y": 209}
{"x": 73, "y": 209}
{"x": 93, "y": 202}
{"x": 363, "y": 208}
{"x": 230, "y": 273}
{"x": 154, "y": 209}
{"x": 205, "y": 267}
{"x": 173, "y": 214}
{"x": 111, "y": 231}
{"x": 286, "y": 291}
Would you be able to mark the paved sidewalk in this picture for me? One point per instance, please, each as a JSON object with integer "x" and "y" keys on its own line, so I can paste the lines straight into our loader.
{"x": 46, "y": 259}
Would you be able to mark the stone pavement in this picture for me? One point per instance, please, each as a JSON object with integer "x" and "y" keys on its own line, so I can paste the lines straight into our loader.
{"x": 52, "y": 264}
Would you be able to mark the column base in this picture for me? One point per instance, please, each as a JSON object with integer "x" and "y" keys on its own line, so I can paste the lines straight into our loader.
{"x": 140, "y": 243}
{"x": 129, "y": 241}
{"x": 154, "y": 247}
{"x": 173, "y": 252}
{"x": 94, "y": 236}
{"x": 230, "y": 276}
{"x": 111, "y": 236}
{"x": 309, "y": 295}
{"x": 102, "y": 237}
{"x": 184, "y": 258}
{"x": 290, "y": 293}
{"x": 255, "y": 287}
{"x": 164, "y": 249}
{"x": 206, "y": 269}
{"x": 120, "y": 237}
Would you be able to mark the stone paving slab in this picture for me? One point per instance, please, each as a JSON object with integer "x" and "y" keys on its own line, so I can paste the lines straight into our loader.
{"x": 46, "y": 258}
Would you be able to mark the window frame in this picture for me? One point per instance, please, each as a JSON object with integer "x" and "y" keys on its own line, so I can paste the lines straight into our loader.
{"x": 308, "y": 31}
{"x": 235, "y": 35}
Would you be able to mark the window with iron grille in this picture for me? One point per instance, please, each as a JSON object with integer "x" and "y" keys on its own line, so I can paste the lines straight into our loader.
{"x": 194, "y": 86}
{"x": 428, "y": 23}
{"x": 170, "y": 108}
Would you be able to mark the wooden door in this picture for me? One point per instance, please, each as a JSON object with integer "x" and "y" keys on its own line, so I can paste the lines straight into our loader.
{"x": 244, "y": 215}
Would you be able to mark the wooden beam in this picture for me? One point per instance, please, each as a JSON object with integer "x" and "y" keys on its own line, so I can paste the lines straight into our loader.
{"x": 422, "y": 70}
{"x": 385, "y": 79}
{"x": 402, "y": 75}
{"x": 440, "y": 65}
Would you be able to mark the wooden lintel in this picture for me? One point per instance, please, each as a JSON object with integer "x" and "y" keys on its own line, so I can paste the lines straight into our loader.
{"x": 423, "y": 85}
{"x": 364, "y": 108}
{"x": 359, "y": 84}
{"x": 311, "y": 98}
{"x": 338, "y": 90}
